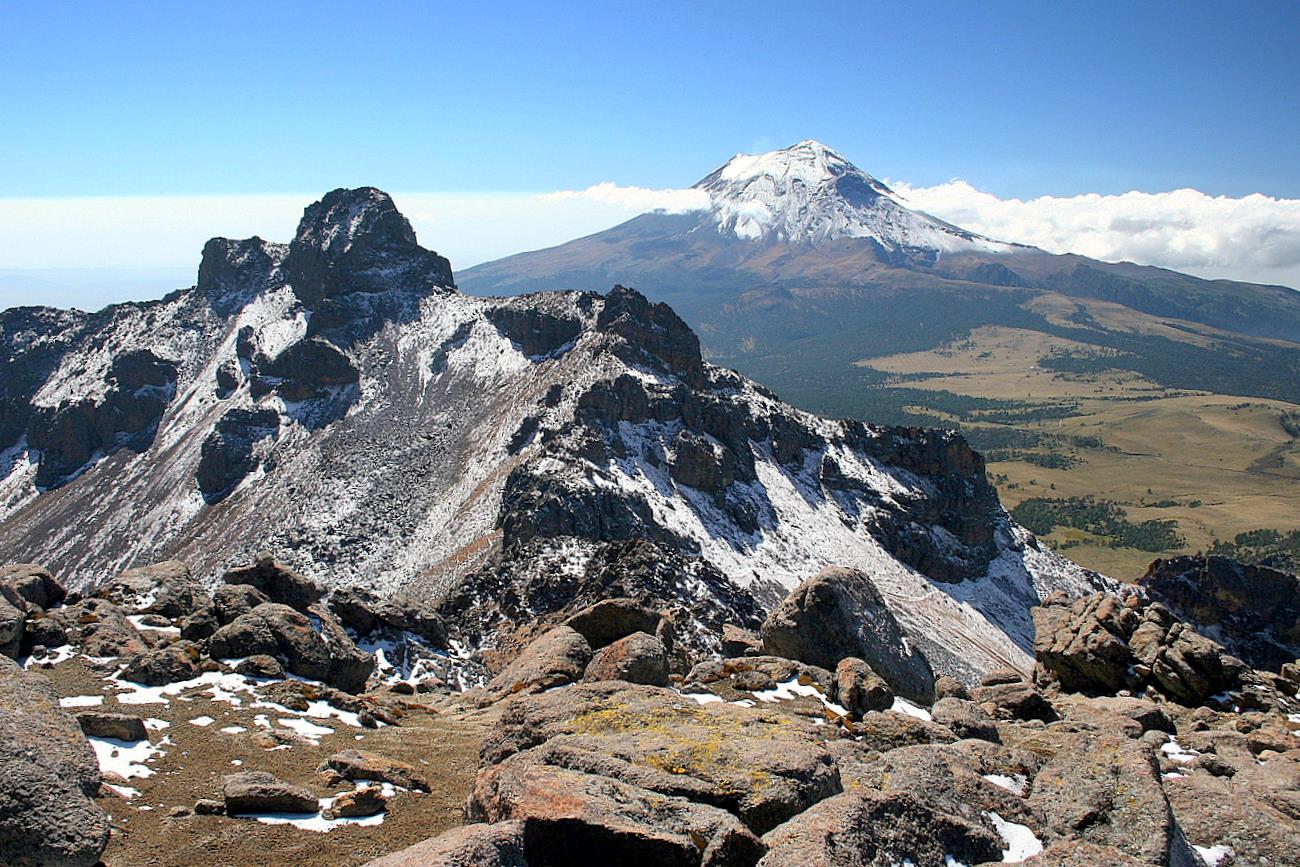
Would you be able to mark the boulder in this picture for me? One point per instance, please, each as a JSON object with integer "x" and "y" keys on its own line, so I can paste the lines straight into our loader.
{"x": 260, "y": 792}
{"x": 1083, "y": 642}
{"x": 165, "y": 588}
{"x": 365, "y": 801}
{"x": 100, "y": 629}
{"x": 966, "y": 719}
{"x": 477, "y": 845}
{"x": 887, "y": 731}
{"x": 13, "y": 623}
{"x": 755, "y": 673}
{"x": 1253, "y": 611}
{"x": 161, "y": 665}
{"x": 1000, "y": 676}
{"x": 48, "y": 778}
{"x": 280, "y": 583}
{"x": 314, "y": 646}
{"x": 859, "y": 690}
{"x": 1014, "y": 701}
{"x": 364, "y": 612}
{"x": 864, "y": 829}
{"x": 839, "y": 613}
{"x": 1246, "y": 816}
{"x": 740, "y": 642}
{"x": 950, "y": 687}
{"x": 1105, "y": 789}
{"x": 365, "y": 765}
{"x": 558, "y": 657}
{"x": 611, "y": 619}
{"x": 1080, "y": 853}
{"x": 33, "y": 583}
{"x": 260, "y": 665}
{"x": 636, "y": 658}
{"x": 760, "y": 763}
{"x": 119, "y": 726}
{"x": 575, "y": 818}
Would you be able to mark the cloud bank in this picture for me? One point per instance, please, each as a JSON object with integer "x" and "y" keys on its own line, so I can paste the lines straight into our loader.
{"x": 1254, "y": 238}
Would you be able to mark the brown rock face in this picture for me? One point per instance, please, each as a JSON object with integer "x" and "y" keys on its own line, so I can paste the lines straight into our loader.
{"x": 365, "y": 801}
{"x": 1099, "y": 645}
{"x": 1253, "y": 610}
{"x": 760, "y": 764}
{"x": 576, "y": 818}
{"x": 611, "y": 619}
{"x": 860, "y": 690}
{"x": 558, "y": 657}
{"x": 839, "y": 613}
{"x": 1106, "y": 790}
{"x": 121, "y": 726}
{"x": 638, "y": 658}
{"x": 477, "y": 845}
{"x": 48, "y": 777}
{"x": 260, "y": 792}
{"x": 855, "y": 830}
{"x": 314, "y": 647}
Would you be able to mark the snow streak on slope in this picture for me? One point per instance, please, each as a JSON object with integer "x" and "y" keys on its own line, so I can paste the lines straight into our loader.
{"x": 808, "y": 193}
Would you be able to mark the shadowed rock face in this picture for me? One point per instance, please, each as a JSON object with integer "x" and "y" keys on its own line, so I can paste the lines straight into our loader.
{"x": 228, "y": 451}
{"x": 357, "y": 241}
{"x": 140, "y": 385}
{"x": 1253, "y": 611}
{"x": 233, "y": 272}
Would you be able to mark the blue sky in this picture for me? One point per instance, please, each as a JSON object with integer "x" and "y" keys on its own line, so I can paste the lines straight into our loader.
{"x": 1022, "y": 100}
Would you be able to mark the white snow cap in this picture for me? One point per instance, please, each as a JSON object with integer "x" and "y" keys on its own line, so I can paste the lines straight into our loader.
{"x": 808, "y": 193}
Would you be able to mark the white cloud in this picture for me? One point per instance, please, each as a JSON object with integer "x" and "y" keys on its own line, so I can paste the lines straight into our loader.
{"x": 638, "y": 200}
{"x": 1255, "y": 237}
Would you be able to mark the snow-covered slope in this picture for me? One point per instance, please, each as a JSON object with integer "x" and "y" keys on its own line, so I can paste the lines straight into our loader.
{"x": 339, "y": 402}
{"x": 809, "y": 194}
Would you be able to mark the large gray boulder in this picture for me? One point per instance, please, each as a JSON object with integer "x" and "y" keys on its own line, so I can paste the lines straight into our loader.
{"x": 280, "y": 583}
{"x": 312, "y": 646}
{"x": 839, "y": 613}
{"x": 48, "y": 778}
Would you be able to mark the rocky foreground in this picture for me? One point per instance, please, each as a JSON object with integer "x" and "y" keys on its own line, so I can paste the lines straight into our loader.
{"x": 156, "y": 721}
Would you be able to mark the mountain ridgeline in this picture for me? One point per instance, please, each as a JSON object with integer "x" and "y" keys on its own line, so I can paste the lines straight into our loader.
{"x": 803, "y": 264}
{"x": 338, "y": 401}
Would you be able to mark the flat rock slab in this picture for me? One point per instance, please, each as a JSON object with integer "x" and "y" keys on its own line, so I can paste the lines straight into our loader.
{"x": 762, "y": 764}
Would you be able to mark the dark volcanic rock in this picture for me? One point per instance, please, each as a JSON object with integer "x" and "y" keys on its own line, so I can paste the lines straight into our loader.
{"x": 611, "y": 619}
{"x": 48, "y": 777}
{"x": 139, "y": 387}
{"x": 100, "y": 628}
{"x": 839, "y": 613}
{"x": 535, "y": 331}
{"x": 299, "y": 642}
{"x": 232, "y": 272}
{"x": 365, "y": 765}
{"x": 638, "y": 658}
{"x": 306, "y": 370}
{"x": 576, "y": 818}
{"x": 260, "y": 792}
{"x": 165, "y": 588}
{"x": 279, "y": 582}
{"x": 161, "y": 665}
{"x": 121, "y": 726}
{"x": 357, "y": 241}
{"x": 364, "y": 612}
{"x": 652, "y": 330}
{"x": 1253, "y": 611}
{"x": 477, "y": 845}
{"x": 228, "y": 453}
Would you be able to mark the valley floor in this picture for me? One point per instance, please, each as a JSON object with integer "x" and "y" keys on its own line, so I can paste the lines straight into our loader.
{"x": 1216, "y": 464}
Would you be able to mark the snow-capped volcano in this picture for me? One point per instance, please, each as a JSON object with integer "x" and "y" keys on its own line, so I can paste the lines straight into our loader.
{"x": 808, "y": 193}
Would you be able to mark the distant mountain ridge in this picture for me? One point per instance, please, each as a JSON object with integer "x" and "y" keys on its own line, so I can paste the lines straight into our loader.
{"x": 803, "y": 264}
{"x": 337, "y": 400}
